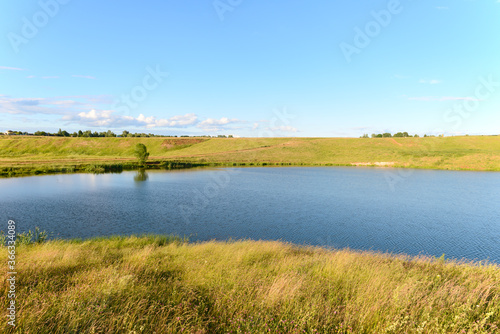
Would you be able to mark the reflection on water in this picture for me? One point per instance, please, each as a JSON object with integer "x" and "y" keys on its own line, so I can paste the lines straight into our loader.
{"x": 429, "y": 212}
{"x": 141, "y": 175}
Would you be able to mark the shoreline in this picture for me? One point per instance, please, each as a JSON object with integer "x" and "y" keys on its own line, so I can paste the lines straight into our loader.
{"x": 103, "y": 168}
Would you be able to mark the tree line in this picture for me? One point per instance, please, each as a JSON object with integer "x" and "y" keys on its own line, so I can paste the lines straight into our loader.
{"x": 109, "y": 133}
{"x": 390, "y": 135}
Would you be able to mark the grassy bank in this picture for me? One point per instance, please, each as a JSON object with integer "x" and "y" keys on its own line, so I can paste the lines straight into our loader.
{"x": 165, "y": 285}
{"x": 25, "y": 155}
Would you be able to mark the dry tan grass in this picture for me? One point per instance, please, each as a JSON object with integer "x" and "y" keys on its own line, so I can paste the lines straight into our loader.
{"x": 146, "y": 285}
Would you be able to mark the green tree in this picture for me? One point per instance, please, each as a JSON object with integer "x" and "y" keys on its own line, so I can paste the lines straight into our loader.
{"x": 141, "y": 153}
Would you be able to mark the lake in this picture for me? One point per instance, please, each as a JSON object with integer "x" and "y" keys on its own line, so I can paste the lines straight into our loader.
{"x": 383, "y": 209}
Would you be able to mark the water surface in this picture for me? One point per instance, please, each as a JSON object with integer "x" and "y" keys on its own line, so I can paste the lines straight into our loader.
{"x": 401, "y": 211}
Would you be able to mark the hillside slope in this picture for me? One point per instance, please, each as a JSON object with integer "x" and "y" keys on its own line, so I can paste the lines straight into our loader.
{"x": 456, "y": 153}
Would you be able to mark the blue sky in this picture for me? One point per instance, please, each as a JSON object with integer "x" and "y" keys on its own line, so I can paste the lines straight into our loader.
{"x": 251, "y": 68}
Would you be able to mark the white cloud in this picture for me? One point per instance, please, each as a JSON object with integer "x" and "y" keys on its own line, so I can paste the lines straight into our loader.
{"x": 62, "y": 105}
{"x": 11, "y": 68}
{"x": 179, "y": 121}
{"x": 95, "y": 118}
{"x": 23, "y": 105}
{"x": 90, "y": 110}
{"x": 96, "y": 114}
{"x": 212, "y": 124}
{"x": 222, "y": 121}
{"x": 109, "y": 118}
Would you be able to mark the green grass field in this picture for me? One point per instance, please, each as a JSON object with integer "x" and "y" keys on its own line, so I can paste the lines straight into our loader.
{"x": 161, "y": 284}
{"x": 20, "y": 153}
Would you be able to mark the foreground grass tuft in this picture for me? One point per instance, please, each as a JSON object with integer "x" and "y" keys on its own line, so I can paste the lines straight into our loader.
{"x": 161, "y": 284}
